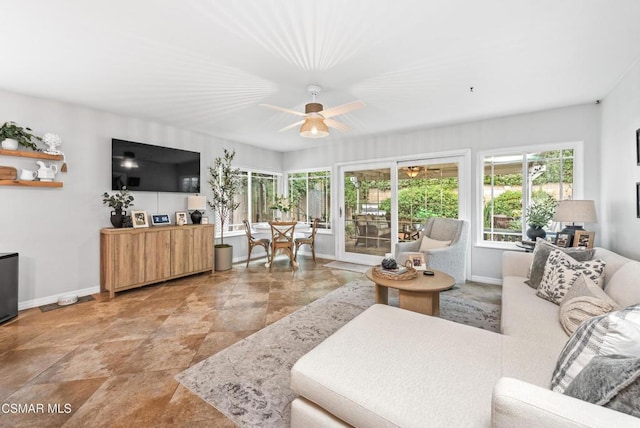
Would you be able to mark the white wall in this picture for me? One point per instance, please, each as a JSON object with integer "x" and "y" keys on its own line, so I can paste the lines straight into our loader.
{"x": 56, "y": 231}
{"x": 570, "y": 124}
{"x": 620, "y": 120}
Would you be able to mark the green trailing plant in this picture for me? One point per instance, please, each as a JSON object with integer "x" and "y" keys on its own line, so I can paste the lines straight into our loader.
{"x": 541, "y": 211}
{"x": 118, "y": 201}
{"x": 225, "y": 185}
{"x": 22, "y": 135}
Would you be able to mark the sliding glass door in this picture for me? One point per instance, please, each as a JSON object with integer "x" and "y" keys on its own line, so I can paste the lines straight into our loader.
{"x": 389, "y": 202}
{"x": 365, "y": 225}
{"x": 426, "y": 188}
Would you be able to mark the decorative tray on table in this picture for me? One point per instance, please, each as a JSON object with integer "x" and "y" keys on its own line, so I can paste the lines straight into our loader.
{"x": 403, "y": 273}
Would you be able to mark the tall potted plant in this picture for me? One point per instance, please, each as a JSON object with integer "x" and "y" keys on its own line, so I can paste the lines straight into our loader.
{"x": 225, "y": 185}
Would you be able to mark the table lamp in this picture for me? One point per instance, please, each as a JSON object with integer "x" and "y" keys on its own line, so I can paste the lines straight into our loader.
{"x": 575, "y": 211}
{"x": 196, "y": 204}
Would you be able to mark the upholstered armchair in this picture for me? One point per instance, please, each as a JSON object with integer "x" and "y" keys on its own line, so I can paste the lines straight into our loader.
{"x": 450, "y": 257}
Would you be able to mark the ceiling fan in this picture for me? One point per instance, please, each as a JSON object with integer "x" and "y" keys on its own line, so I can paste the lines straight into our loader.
{"x": 317, "y": 120}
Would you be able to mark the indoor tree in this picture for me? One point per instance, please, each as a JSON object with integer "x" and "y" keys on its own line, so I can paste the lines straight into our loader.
{"x": 225, "y": 185}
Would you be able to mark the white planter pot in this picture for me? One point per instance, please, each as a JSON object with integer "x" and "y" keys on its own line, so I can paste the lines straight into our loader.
{"x": 9, "y": 144}
{"x": 223, "y": 258}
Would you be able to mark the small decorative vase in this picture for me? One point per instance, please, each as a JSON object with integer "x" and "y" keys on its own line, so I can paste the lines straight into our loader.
{"x": 10, "y": 144}
{"x": 117, "y": 218}
{"x": 389, "y": 263}
{"x": 535, "y": 232}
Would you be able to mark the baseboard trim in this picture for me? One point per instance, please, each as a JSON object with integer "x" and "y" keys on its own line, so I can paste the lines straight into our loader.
{"x": 486, "y": 280}
{"x": 28, "y": 304}
{"x": 302, "y": 253}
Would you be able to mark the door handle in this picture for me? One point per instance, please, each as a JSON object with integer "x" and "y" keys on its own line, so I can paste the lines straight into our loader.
{"x": 340, "y": 212}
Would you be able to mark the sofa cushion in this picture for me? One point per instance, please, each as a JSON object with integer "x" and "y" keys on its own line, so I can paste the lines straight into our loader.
{"x": 612, "y": 334}
{"x": 528, "y": 317}
{"x": 614, "y": 262}
{"x": 612, "y": 381}
{"x": 541, "y": 254}
{"x": 392, "y": 367}
{"x": 430, "y": 244}
{"x": 583, "y": 301}
{"x": 562, "y": 270}
{"x": 624, "y": 285}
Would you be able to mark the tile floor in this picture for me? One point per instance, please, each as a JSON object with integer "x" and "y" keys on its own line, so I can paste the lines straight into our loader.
{"x": 111, "y": 362}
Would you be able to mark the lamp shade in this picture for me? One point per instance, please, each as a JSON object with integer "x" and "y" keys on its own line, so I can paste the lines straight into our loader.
{"x": 196, "y": 202}
{"x": 576, "y": 211}
{"x": 314, "y": 127}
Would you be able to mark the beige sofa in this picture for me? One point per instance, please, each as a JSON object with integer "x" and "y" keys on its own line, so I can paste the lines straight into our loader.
{"x": 391, "y": 367}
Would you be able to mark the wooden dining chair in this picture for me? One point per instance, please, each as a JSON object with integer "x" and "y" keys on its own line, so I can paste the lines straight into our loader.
{"x": 309, "y": 240}
{"x": 254, "y": 242}
{"x": 282, "y": 239}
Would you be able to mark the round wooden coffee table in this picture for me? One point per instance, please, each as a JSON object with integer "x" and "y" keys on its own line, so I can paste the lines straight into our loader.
{"x": 421, "y": 294}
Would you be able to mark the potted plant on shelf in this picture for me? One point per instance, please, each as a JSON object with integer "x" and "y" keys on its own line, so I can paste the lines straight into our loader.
{"x": 225, "y": 185}
{"x": 118, "y": 201}
{"x": 13, "y": 135}
{"x": 539, "y": 214}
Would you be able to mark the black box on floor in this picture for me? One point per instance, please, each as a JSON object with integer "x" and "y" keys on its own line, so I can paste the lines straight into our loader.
{"x": 8, "y": 286}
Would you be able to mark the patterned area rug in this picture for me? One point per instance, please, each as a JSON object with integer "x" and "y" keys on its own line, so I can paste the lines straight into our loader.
{"x": 249, "y": 381}
{"x": 353, "y": 267}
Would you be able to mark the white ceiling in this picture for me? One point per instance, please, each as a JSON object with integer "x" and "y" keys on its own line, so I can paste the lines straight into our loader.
{"x": 206, "y": 65}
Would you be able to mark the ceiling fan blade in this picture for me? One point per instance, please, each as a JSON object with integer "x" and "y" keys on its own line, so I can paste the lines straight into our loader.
{"x": 293, "y": 125}
{"x": 337, "y": 125}
{"x": 286, "y": 110}
{"x": 344, "y": 108}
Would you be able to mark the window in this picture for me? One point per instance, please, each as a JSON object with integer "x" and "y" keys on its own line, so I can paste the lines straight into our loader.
{"x": 513, "y": 181}
{"x": 257, "y": 194}
{"x": 311, "y": 194}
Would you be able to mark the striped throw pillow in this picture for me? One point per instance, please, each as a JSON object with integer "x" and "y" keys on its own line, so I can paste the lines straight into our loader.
{"x": 617, "y": 333}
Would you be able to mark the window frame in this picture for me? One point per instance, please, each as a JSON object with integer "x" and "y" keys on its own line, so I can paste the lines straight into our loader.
{"x": 578, "y": 181}
{"x": 330, "y": 175}
{"x": 250, "y": 173}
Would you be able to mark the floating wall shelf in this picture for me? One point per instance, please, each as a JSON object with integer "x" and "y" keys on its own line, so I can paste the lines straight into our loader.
{"x": 32, "y": 155}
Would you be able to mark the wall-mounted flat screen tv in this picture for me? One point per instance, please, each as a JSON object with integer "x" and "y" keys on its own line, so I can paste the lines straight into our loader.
{"x": 145, "y": 167}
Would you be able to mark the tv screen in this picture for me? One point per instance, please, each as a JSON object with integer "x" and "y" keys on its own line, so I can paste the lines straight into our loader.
{"x": 144, "y": 167}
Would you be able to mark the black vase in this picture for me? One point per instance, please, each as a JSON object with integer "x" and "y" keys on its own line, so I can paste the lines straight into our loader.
{"x": 117, "y": 217}
{"x": 536, "y": 232}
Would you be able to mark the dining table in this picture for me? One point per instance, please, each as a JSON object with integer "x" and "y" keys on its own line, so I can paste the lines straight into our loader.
{"x": 262, "y": 230}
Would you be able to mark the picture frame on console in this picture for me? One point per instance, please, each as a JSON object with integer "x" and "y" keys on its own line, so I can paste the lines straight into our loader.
{"x": 160, "y": 220}
{"x": 139, "y": 219}
{"x": 181, "y": 218}
{"x": 582, "y": 238}
{"x": 563, "y": 240}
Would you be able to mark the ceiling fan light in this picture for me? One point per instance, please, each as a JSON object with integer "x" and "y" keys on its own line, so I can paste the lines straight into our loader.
{"x": 314, "y": 127}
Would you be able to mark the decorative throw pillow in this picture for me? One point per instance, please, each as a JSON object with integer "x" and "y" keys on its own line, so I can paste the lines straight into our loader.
{"x": 584, "y": 300}
{"x": 562, "y": 270}
{"x": 541, "y": 254}
{"x": 431, "y": 244}
{"x": 612, "y": 381}
{"x": 617, "y": 333}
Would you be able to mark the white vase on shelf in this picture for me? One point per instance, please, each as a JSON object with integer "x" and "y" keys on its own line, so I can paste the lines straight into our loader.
{"x": 10, "y": 144}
